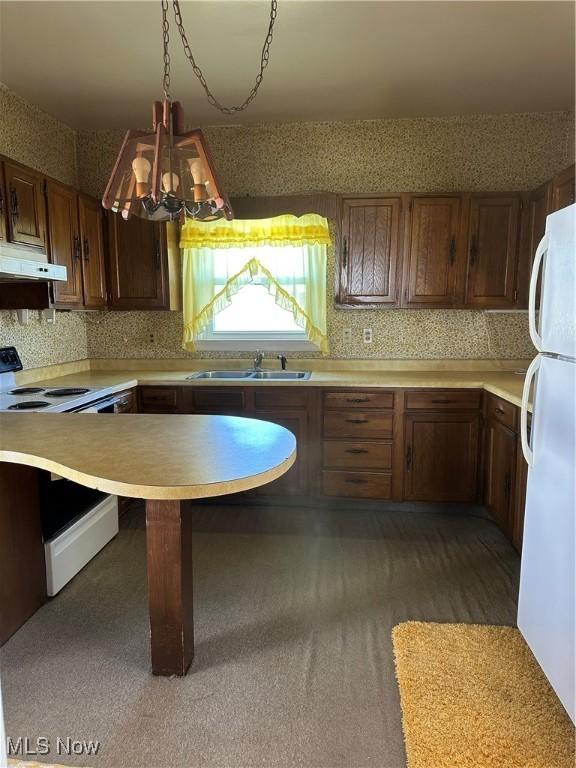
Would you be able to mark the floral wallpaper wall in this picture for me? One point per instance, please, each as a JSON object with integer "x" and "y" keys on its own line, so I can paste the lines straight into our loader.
{"x": 494, "y": 152}
{"x": 487, "y": 152}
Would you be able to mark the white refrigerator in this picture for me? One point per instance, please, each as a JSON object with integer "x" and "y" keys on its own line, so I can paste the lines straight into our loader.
{"x": 546, "y": 609}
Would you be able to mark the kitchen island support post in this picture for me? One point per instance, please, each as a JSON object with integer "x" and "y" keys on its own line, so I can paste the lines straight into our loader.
{"x": 169, "y": 543}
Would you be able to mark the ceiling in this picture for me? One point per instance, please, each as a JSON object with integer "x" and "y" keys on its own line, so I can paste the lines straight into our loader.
{"x": 99, "y": 64}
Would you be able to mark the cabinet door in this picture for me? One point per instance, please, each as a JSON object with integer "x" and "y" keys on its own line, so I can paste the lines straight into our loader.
{"x": 295, "y": 481}
{"x": 64, "y": 237}
{"x": 370, "y": 251}
{"x": 3, "y": 205}
{"x": 430, "y": 265}
{"x": 492, "y": 251}
{"x": 563, "y": 189}
{"x": 441, "y": 456}
{"x": 519, "y": 497}
{"x": 500, "y": 467}
{"x": 92, "y": 247}
{"x": 538, "y": 205}
{"x": 26, "y": 207}
{"x": 137, "y": 263}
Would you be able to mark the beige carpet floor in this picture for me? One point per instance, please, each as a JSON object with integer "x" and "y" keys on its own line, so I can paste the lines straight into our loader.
{"x": 474, "y": 697}
{"x": 294, "y": 610}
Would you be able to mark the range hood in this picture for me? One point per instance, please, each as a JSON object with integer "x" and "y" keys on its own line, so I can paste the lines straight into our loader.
{"x": 22, "y": 264}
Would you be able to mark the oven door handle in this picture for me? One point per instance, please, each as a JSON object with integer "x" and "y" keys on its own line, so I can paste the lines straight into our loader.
{"x": 95, "y": 407}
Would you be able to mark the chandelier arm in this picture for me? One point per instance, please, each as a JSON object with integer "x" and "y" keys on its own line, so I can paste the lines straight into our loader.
{"x": 264, "y": 59}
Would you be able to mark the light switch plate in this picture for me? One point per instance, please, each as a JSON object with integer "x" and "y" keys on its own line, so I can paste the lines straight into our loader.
{"x": 347, "y": 335}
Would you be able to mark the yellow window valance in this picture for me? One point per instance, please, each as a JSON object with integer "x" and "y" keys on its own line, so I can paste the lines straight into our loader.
{"x": 310, "y": 229}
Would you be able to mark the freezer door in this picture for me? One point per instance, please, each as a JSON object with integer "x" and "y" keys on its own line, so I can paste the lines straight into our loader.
{"x": 557, "y": 323}
{"x": 547, "y": 579}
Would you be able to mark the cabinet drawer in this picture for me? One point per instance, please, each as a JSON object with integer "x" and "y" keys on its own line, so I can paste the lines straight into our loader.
{"x": 356, "y": 455}
{"x": 218, "y": 400}
{"x": 360, "y": 485}
{"x": 126, "y": 402}
{"x": 361, "y": 424}
{"x": 158, "y": 399}
{"x": 265, "y": 399}
{"x": 361, "y": 400}
{"x": 443, "y": 399}
{"x": 502, "y": 411}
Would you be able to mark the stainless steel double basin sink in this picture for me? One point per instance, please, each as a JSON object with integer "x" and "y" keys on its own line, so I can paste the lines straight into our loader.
{"x": 253, "y": 375}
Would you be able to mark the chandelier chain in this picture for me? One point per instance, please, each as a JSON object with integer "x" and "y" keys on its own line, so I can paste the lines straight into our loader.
{"x": 166, "y": 43}
{"x": 264, "y": 58}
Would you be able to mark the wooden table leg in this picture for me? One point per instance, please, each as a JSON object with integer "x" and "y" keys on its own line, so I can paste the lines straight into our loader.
{"x": 169, "y": 539}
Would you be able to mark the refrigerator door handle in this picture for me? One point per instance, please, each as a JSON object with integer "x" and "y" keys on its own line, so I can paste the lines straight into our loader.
{"x": 526, "y": 447}
{"x": 536, "y": 267}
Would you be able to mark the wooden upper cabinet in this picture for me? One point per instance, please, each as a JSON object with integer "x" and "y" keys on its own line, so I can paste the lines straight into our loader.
{"x": 432, "y": 252}
{"x": 493, "y": 235}
{"x": 64, "y": 235}
{"x": 563, "y": 189}
{"x": 536, "y": 208}
{"x": 137, "y": 264}
{"x": 92, "y": 249}
{"x": 26, "y": 208}
{"x": 3, "y": 205}
{"x": 370, "y": 250}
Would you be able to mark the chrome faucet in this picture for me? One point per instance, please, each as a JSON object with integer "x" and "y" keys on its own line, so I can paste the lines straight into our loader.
{"x": 258, "y": 360}
{"x": 283, "y": 361}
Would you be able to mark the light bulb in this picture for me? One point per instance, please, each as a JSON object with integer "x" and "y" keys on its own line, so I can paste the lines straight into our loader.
{"x": 170, "y": 182}
{"x": 197, "y": 173}
{"x": 141, "y": 167}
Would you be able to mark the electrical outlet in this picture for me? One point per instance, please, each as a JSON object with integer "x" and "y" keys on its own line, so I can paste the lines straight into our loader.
{"x": 152, "y": 338}
{"x": 347, "y": 335}
{"x": 367, "y": 335}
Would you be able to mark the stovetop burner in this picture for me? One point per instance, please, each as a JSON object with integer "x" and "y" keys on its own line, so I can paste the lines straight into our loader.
{"x": 26, "y": 391}
{"x": 66, "y": 392}
{"x": 27, "y": 405}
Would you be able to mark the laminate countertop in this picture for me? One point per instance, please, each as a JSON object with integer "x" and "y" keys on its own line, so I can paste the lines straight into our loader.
{"x": 505, "y": 384}
{"x": 150, "y": 456}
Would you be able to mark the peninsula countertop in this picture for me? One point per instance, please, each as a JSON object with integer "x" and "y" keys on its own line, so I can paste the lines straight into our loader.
{"x": 505, "y": 384}
{"x": 150, "y": 456}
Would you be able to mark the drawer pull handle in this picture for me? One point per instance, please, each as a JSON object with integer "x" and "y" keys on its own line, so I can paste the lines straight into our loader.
{"x": 358, "y": 400}
{"x": 357, "y": 421}
{"x": 443, "y": 401}
{"x": 356, "y": 481}
{"x": 356, "y": 450}
{"x": 500, "y": 411}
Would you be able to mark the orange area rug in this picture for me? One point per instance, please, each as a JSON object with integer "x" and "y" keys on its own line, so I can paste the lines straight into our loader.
{"x": 474, "y": 697}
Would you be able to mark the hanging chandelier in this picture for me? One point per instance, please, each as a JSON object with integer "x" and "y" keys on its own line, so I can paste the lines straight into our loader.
{"x": 168, "y": 173}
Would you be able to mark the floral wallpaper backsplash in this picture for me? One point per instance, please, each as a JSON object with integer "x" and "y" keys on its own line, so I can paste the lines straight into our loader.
{"x": 397, "y": 335}
{"x": 39, "y": 343}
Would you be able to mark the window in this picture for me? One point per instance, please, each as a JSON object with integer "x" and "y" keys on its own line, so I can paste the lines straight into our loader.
{"x": 259, "y": 283}
{"x": 252, "y": 315}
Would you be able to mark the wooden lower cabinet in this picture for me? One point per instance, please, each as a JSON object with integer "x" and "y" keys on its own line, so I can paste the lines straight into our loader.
{"x": 519, "y": 497}
{"x": 441, "y": 456}
{"x": 295, "y": 481}
{"x": 499, "y": 473}
{"x": 22, "y": 564}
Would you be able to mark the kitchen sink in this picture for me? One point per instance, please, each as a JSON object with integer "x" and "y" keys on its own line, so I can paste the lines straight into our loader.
{"x": 253, "y": 375}
{"x": 221, "y": 375}
{"x": 281, "y": 375}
